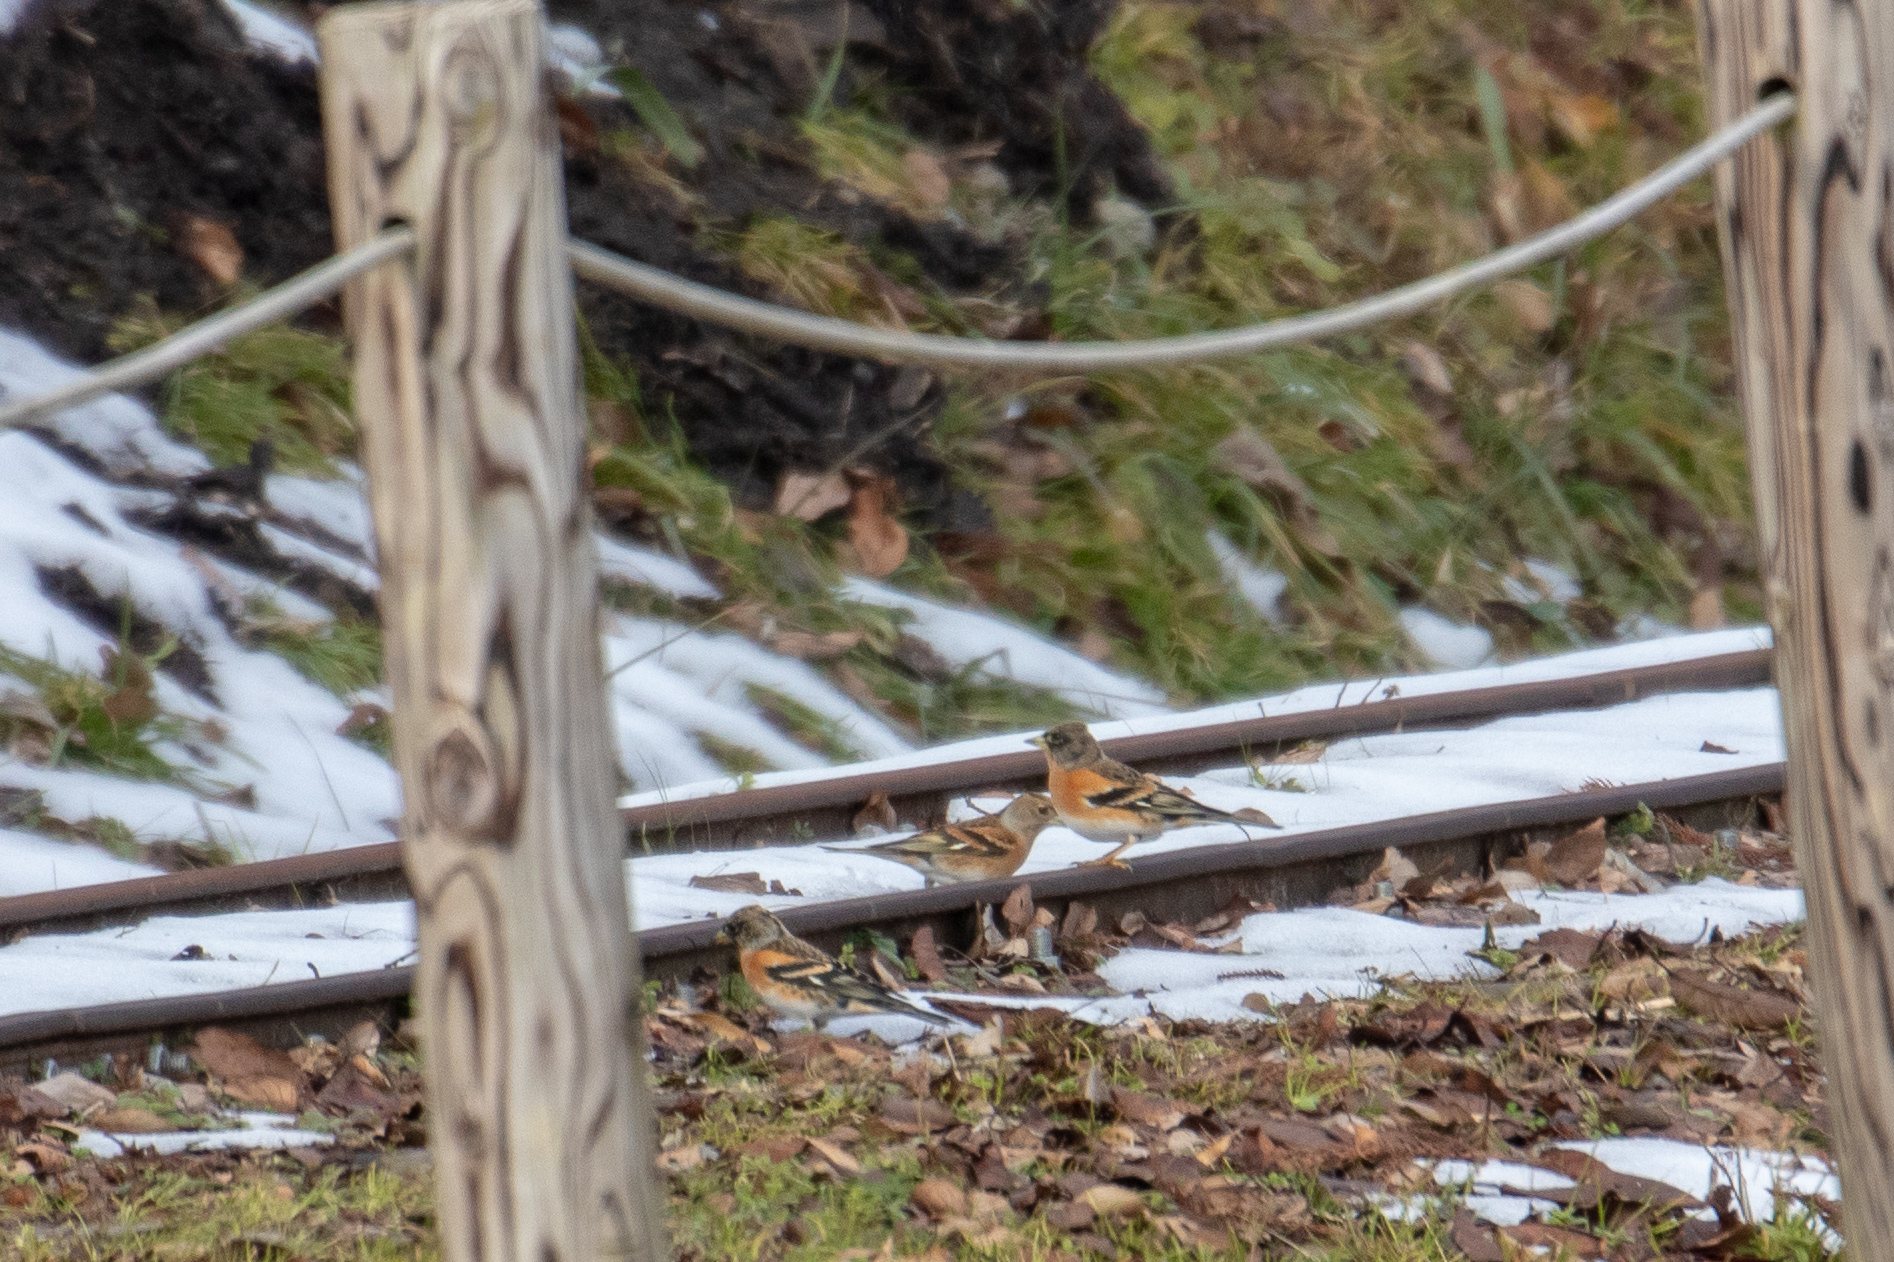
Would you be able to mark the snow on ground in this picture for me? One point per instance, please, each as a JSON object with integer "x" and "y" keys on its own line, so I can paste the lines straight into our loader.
{"x": 240, "y": 949}
{"x": 1500, "y": 1191}
{"x": 1451, "y": 644}
{"x": 279, "y": 728}
{"x": 1320, "y": 951}
{"x": 257, "y": 1131}
{"x": 1008, "y": 651}
{"x": 271, "y": 33}
{"x": 315, "y": 790}
{"x": 36, "y": 863}
{"x": 1324, "y": 696}
{"x": 1261, "y": 589}
{"x": 1359, "y": 781}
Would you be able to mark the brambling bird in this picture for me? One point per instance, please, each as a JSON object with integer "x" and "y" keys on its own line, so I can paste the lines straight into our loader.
{"x": 801, "y": 981}
{"x": 1101, "y": 799}
{"x": 979, "y": 850}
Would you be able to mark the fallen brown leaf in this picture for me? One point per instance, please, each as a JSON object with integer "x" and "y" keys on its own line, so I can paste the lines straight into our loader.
{"x": 1111, "y": 1200}
{"x": 1017, "y": 911}
{"x": 876, "y": 816}
{"x": 879, "y": 541}
{"x": 731, "y": 883}
{"x": 1744, "y": 1009}
{"x": 837, "y": 1156}
{"x": 212, "y": 246}
{"x": 807, "y": 496}
{"x": 130, "y": 1122}
{"x": 927, "y": 955}
{"x": 1476, "y": 1239}
{"x": 1572, "y": 947}
{"x": 939, "y": 1198}
{"x": 1576, "y": 857}
{"x": 246, "y": 1070}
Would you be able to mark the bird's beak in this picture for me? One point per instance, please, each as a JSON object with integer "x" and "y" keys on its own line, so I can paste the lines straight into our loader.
{"x": 723, "y": 937}
{"x": 1039, "y": 740}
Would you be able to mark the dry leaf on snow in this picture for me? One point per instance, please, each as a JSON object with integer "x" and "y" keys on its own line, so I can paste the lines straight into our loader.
{"x": 731, "y": 883}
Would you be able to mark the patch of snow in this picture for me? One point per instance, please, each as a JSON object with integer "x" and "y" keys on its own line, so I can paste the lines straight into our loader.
{"x": 575, "y": 53}
{"x": 242, "y": 948}
{"x": 262, "y": 1131}
{"x": 115, "y": 430}
{"x": 157, "y": 812}
{"x": 644, "y": 567}
{"x": 345, "y": 568}
{"x": 1337, "y": 952}
{"x": 40, "y": 863}
{"x": 337, "y": 505}
{"x": 272, "y": 33}
{"x": 1260, "y": 588}
{"x": 1445, "y": 641}
{"x": 1006, "y": 650}
{"x": 668, "y": 681}
{"x": 1755, "y": 1175}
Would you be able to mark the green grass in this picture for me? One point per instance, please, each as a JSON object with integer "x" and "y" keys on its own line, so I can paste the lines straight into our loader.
{"x": 110, "y": 723}
{"x": 287, "y": 385}
{"x": 342, "y": 655}
{"x": 265, "y": 1210}
{"x": 1320, "y": 161}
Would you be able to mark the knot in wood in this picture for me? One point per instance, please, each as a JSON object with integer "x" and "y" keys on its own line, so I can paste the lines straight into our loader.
{"x": 470, "y": 86}
{"x": 463, "y": 790}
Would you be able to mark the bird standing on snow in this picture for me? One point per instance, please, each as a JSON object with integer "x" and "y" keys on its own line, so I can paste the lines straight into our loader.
{"x": 978, "y": 850}
{"x": 1101, "y": 799}
{"x": 801, "y": 981}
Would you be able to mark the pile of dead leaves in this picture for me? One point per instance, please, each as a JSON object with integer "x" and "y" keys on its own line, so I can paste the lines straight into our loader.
{"x": 371, "y": 1099}
{"x": 1118, "y": 1140}
{"x": 1585, "y": 859}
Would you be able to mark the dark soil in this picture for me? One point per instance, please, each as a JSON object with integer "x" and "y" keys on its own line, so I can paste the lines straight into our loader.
{"x": 123, "y": 116}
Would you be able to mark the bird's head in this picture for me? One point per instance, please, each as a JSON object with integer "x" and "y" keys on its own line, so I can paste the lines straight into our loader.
{"x": 751, "y": 927}
{"x": 1069, "y": 745}
{"x": 1029, "y": 814}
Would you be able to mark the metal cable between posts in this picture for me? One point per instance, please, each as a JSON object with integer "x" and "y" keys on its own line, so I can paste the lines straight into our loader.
{"x": 294, "y": 295}
{"x": 716, "y": 306}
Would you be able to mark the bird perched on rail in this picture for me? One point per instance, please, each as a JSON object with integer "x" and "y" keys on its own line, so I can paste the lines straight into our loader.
{"x": 983, "y": 849}
{"x": 801, "y": 981}
{"x": 1101, "y": 799}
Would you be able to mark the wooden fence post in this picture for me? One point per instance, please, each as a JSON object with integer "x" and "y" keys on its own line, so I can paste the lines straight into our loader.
{"x": 467, "y": 388}
{"x": 1807, "y": 224}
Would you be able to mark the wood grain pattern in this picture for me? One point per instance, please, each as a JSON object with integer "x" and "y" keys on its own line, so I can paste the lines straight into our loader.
{"x": 466, "y": 385}
{"x": 1807, "y": 225}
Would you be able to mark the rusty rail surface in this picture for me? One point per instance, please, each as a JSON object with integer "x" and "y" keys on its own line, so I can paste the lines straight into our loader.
{"x": 1181, "y": 885}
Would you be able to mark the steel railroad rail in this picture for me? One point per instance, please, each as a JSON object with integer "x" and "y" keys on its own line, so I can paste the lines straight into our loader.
{"x": 787, "y": 814}
{"x": 1182, "y": 885}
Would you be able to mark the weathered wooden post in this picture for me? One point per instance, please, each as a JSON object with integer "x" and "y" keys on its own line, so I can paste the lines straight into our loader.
{"x": 467, "y": 386}
{"x": 1807, "y": 222}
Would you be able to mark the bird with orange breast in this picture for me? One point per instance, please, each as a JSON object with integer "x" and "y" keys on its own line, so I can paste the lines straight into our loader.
{"x": 1101, "y": 799}
{"x": 798, "y": 979}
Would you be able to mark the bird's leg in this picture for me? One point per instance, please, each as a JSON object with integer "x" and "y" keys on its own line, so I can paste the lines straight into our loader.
{"x": 1112, "y": 860}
